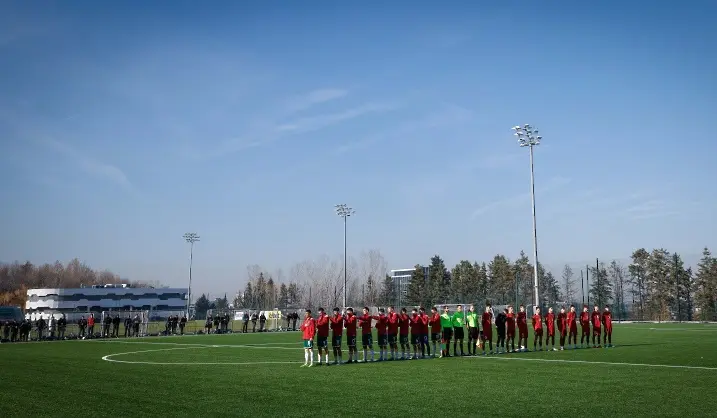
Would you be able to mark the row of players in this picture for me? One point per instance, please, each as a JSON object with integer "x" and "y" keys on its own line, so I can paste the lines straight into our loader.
{"x": 393, "y": 329}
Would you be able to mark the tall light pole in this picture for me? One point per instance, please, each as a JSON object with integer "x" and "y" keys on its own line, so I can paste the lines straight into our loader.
{"x": 191, "y": 238}
{"x": 528, "y": 137}
{"x": 344, "y": 211}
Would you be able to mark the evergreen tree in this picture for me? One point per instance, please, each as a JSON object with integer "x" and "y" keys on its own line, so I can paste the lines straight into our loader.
{"x": 524, "y": 270}
{"x": 439, "y": 281}
{"x": 283, "y": 296}
{"x": 638, "y": 280}
{"x": 500, "y": 276}
{"x": 660, "y": 284}
{"x": 417, "y": 288}
{"x": 248, "y": 299}
{"x": 483, "y": 292}
{"x": 270, "y": 294}
{"x": 616, "y": 274}
{"x": 388, "y": 295}
{"x": 682, "y": 309}
{"x": 706, "y": 287}
{"x": 201, "y": 306}
{"x": 463, "y": 284}
{"x": 569, "y": 285}
{"x": 600, "y": 286}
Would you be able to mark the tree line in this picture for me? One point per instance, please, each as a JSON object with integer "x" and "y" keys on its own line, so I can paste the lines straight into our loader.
{"x": 16, "y": 278}
{"x": 655, "y": 286}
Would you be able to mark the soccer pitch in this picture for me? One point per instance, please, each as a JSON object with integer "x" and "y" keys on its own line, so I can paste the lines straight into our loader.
{"x": 660, "y": 370}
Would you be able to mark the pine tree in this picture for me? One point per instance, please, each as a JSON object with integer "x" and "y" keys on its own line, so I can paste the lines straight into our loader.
{"x": 439, "y": 281}
{"x": 388, "y": 294}
{"x": 484, "y": 283}
{"x": 616, "y": 274}
{"x": 283, "y": 296}
{"x": 600, "y": 286}
{"x": 569, "y": 284}
{"x": 683, "y": 280}
{"x": 660, "y": 284}
{"x": 706, "y": 287}
{"x": 524, "y": 270}
{"x": 638, "y": 280}
{"x": 500, "y": 276}
{"x": 417, "y": 287}
{"x": 248, "y": 299}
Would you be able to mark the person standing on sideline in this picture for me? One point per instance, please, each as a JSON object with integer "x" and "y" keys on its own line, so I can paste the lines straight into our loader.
{"x": 562, "y": 327}
{"x": 322, "y": 332}
{"x": 596, "y": 319}
{"x": 472, "y": 324}
{"x": 537, "y": 329}
{"x": 294, "y": 318}
{"x": 91, "y": 326}
{"x": 447, "y": 326}
{"x": 350, "y": 321}
{"x": 403, "y": 325}
{"x": 61, "y": 326}
{"x": 81, "y": 325}
{"x": 500, "y": 321}
{"x": 435, "y": 322}
{"x": 510, "y": 328}
{"x": 607, "y": 326}
{"x": 127, "y": 327}
{"x": 550, "y": 326}
{"x": 572, "y": 327}
{"x": 308, "y": 328}
{"x": 487, "y": 324}
{"x": 458, "y": 324}
{"x": 337, "y": 330}
{"x": 522, "y": 321}
{"x": 182, "y": 324}
{"x": 245, "y": 322}
{"x": 393, "y": 322}
{"x": 366, "y": 324}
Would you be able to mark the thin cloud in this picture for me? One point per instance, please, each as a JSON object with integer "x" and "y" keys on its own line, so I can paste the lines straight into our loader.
{"x": 514, "y": 201}
{"x": 314, "y": 123}
{"x": 91, "y": 166}
{"x": 314, "y": 98}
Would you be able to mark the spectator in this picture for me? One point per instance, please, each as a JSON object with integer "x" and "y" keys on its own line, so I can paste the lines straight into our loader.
{"x": 182, "y": 324}
{"x": 245, "y": 320}
{"x": 91, "y": 326}
{"x": 127, "y": 327}
{"x": 135, "y": 322}
{"x": 82, "y": 325}
{"x": 262, "y": 322}
{"x": 6, "y": 330}
{"x": 14, "y": 330}
{"x": 288, "y": 320}
{"x": 106, "y": 324}
{"x": 208, "y": 325}
{"x": 61, "y": 326}
{"x": 216, "y": 324}
{"x": 51, "y": 326}
{"x": 40, "y": 327}
{"x": 254, "y": 318}
{"x": 115, "y": 326}
{"x": 294, "y": 319}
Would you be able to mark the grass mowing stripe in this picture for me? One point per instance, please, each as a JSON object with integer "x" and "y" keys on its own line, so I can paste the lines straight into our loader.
{"x": 669, "y": 366}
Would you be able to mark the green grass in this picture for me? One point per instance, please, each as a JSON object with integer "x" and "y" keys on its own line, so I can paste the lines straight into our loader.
{"x": 70, "y": 378}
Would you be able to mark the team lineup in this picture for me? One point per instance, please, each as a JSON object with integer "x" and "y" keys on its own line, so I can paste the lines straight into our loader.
{"x": 393, "y": 330}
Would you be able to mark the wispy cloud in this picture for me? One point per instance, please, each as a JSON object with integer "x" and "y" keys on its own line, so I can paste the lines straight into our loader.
{"x": 90, "y": 165}
{"x": 313, "y": 98}
{"x": 446, "y": 114}
{"x": 516, "y": 200}
{"x": 322, "y": 121}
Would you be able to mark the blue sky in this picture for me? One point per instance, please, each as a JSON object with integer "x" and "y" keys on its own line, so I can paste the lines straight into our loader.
{"x": 123, "y": 126}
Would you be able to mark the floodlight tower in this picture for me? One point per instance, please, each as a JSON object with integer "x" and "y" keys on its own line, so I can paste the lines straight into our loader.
{"x": 191, "y": 238}
{"x": 344, "y": 211}
{"x": 528, "y": 137}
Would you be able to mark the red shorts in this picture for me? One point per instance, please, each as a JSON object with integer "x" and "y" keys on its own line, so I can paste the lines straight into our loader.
{"x": 510, "y": 333}
{"x": 563, "y": 332}
{"x": 551, "y": 332}
{"x": 596, "y": 331}
{"x": 608, "y": 330}
{"x": 574, "y": 330}
{"x": 538, "y": 332}
{"x": 586, "y": 330}
{"x": 523, "y": 332}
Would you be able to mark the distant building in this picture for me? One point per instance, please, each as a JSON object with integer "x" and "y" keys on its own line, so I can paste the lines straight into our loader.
{"x": 101, "y": 298}
{"x": 401, "y": 279}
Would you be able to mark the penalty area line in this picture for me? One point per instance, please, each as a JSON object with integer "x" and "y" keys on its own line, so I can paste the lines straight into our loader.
{"x": 608, "y": 363}
{"x": 245, "y": 363}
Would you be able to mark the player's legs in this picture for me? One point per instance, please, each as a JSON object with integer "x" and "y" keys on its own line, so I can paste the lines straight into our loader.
{"x": 609, "y": 337}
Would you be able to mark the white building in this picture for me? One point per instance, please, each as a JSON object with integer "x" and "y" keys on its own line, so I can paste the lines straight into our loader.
{"x": 99, "y": 299}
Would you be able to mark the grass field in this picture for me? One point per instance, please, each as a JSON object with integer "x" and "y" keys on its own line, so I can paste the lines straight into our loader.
{"x": 660, "y": 370}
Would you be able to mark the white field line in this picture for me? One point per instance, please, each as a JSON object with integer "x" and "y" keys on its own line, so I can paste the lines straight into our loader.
{"x": 110, "y": 359}
{"x": 666, "y": 366}
{"x": 188, "y": 345}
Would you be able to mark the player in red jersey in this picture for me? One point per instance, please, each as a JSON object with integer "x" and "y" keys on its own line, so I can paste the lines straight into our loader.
{"x": 435, "y": 323}
{"x": 510, "y": 328}
{"x": 486, "y": 322}
{"x": 337, "y": 329}
{"x": 522, "y": 328}
{"x": 572, "y": 327}
{"x": 382, "y": 332}
{"x": 322, "y": 332}
{"x": 550, "y": 325}
{"x": 585, "y": 327}
{"x": 350, "y": 322}
{"x": 595, "y": 318}
{"x": 425, "y": 348}
{"x": 393, "y": 322}
{"x": 537, "y": 330}
{"x": 366, "y": 324}
{"x": 416, "y": 330}
{"x": 607, "y": 327}
{"x": 308, "y": 329}
{"x": 404, "y": 321}
{"x": 562, "y": 327}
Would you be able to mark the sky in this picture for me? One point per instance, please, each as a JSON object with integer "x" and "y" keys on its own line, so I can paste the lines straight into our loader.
{"x": 124, "y": 125}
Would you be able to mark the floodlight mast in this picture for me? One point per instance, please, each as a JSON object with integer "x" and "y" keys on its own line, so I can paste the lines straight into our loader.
{"x": 344, "y": 211}
{"x": 528, "y": 137}
{"x": 191, "y": 238}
